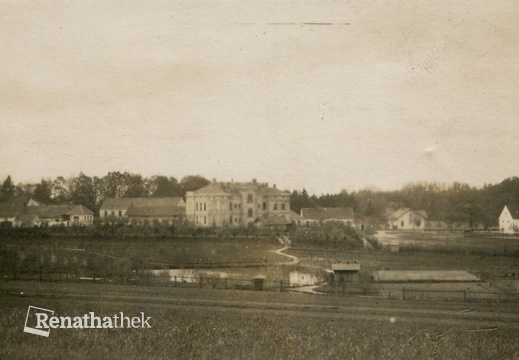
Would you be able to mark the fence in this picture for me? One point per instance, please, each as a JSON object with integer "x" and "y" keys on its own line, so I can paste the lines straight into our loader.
{"x": 452, "y": 295}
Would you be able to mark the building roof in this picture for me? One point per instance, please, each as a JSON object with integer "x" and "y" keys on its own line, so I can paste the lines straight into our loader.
{"x": 156, "y": 211}
{"x": 353, "y": 266}
{"x": 50, "y": 211}
{"x": 125, "y": 203}
{"x": 80, "y": 210}
{"x": 341, "y": 213}
{"x": 514, "y": 211}
{"x": 236, "y": 188}
{"x": 400, "y": 212}
{"x": 16, "y": 206}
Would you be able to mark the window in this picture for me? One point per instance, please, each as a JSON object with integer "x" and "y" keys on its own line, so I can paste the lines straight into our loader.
{"x": 113, "y": 212}
{"x": 235, "y": 220}
{"x": 275, "y": 206}
{"x": 120, "y": 213}
{"x": 264, "y": 205}
{"x": 283, "y": 206}
{"x": 250, "y": 198}
{"x": 205, "y": 220}
{"x": 251, "y": 213}
{"x": 205, "y": 206}
{"x": 106, "y": 212}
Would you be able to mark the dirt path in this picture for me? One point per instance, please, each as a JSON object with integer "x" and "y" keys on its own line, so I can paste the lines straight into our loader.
{"x": 294, "y": 259}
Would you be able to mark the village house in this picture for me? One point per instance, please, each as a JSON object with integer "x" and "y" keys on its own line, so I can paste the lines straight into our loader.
{"x": 509, "y": 219}
{"x": 143, "y": 208}
{"x": 407, "y": 219}
{"x": 27, "y": 221}
{"x": 238, "y": 204}
{"x": 11, "y": 209}
{"x": 319, "y": 216}
{"x": 62, "y": 215}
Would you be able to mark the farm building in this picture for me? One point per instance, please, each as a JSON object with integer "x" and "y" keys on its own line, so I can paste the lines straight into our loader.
{"x": 148, "y": 215}
{"x": 346, "y": 272}
{"x": 407, "y": 219}
{"x": 27, "y": 221}
{"x": 509, "y": 219}
{"x": 14, "y": 207}
{"x": 62, "y": 215}
{"x": 115, "y": 209}
{"x": 318, "y": 216}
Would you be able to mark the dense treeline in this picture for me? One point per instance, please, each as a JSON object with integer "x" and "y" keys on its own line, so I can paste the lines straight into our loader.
{"x": 83, "y": 189}
{"x": 456, "y": 204}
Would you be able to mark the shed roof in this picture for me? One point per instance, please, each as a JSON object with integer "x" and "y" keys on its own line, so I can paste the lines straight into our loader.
{"x": 341, "y": 213}
{"x": 354, "y": 266}
{"x": 125, "y": 203}
{"x": 50, "y": 211}
{"x": 273, "y": 220}
{"x": 400, "y": 212}
{"x": 16, "y": 206}
{"x": 514, "y": 211}
{"x": 156, "y": 211}
{"x": 80, "y": 210}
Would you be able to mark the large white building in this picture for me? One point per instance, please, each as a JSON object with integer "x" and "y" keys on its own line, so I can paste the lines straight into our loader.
{"x": 238, "y": 204}
{"x": 509, "y": 219}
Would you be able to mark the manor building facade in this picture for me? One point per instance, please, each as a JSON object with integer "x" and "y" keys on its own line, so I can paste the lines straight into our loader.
{"x": 237, "y": 204}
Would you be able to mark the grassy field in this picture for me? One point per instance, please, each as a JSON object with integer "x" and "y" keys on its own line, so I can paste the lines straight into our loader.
{"x": 64, "y": 254}
{"x": 212, "y": 324}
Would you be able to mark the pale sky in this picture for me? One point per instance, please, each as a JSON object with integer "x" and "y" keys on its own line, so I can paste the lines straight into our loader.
{"x": 383, "y": 93}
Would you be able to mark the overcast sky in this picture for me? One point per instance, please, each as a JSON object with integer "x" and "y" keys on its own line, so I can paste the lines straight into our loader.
{"x": 380, "y": 94}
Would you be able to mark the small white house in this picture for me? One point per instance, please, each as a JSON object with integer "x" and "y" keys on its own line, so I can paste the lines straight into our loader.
{"x": 407, "y": 219}
{"x": 509, "y": 219}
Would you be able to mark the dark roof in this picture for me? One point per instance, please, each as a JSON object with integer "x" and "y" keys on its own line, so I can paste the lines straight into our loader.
{"x": 156, "y": 211}
{"x": 327, "y": 213}
{"x": 80, "y": 210}
{"x": 15, "y": 206}
{"x": 235, "y": 188}
{"x": 514, "y": 211}
{"x": 353, "y": 266}
{"x": 397, "y": 214}
{"x": 50, "y": 211}
{"x": 125, "y": 203}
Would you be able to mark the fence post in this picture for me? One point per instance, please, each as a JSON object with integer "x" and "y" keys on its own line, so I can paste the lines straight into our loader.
{"x": 281, "y": 285}
{"x": 175, "y": 280}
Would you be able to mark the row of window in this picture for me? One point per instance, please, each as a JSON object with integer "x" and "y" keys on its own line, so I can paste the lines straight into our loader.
{"x": 120, "y": 213}
{"x": 201, "y": 206}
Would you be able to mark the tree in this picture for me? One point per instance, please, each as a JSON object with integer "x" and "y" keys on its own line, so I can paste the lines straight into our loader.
{"x": 60, "y": 190}
{"x": 43, "y": 191}
{"x": 7, "y": 190}
{"x": 165, "y": 187}
{"x": 82, "y": 190}
{"x": 193, "y": 183}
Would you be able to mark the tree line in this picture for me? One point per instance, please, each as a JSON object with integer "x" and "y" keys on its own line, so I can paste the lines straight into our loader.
{"x": 87, "y": 190}
{"x": 456, "y": 204}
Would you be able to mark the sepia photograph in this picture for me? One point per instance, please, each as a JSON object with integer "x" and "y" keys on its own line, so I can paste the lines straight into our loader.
{"x": 224, "y": 179}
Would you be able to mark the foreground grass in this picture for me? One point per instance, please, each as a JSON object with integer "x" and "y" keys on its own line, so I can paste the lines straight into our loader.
{"x": 198, "y": 332}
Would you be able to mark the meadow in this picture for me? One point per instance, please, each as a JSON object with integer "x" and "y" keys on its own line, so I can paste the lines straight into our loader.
{"x": 215, "y": 324}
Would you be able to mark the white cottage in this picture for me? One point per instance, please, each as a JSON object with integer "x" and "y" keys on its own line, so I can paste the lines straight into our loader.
{"x": 509, "y": 219}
